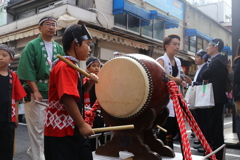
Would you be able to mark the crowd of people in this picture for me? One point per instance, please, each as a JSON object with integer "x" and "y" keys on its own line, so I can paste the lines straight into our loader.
{"x": 55, "y": 95}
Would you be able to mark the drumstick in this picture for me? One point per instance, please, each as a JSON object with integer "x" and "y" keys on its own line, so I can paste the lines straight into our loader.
{"x": 170, "y": 76}
{"x": 114, "y": 128}
{"x": 73, "y": 66}
{"x": 159, "y": 127}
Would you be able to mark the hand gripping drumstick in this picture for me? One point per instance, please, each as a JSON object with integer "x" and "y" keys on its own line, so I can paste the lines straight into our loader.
{"x": 73, "y": 66}
{"x": 114, "y": 128}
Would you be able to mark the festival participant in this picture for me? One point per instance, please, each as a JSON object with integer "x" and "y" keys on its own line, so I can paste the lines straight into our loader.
{"x": 200, "y": 114}
{"x": 236, "y": 90}
{"x": 10, "y": 93}
{"x": 34, "y": 68}
{"x": 172, "y": 66}
{"x": 92, "y": 109}
{"x": 66, "y": 132}
{"x": 216, "y": 73}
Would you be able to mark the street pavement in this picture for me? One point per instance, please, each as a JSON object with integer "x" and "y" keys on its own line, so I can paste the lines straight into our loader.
{"x": 22, "y": 142}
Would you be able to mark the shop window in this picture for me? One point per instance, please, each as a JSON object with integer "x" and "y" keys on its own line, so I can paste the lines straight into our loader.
{"x": 127, "y": 22}
{"x": 158, "y": 29}
{"x": 195, "y": 43}
{"x": 147, "y": 30}
{"x": 187, "y": 42}
{"x": 154, "y": 30}
{"x": 199, "y": 43}
{"x": 45, "y": 7}
{"x": 120, "y": 20}
{"x": 26, "y": 14}
{"x": 133, "y": 24}
{"x": 205, "y": 44}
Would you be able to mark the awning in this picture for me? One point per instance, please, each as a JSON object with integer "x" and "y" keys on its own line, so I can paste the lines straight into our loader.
{"x": 227, "y": 49}
{"x": 19, "y": 35}
{"x": 122, "y": 6}
{"x": 117, "y": 39}
{"x": 194, "y": 32}
{"x": 169, "y": 22}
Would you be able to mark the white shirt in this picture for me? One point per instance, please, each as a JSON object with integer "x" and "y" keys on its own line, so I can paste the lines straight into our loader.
{"x": 49, "y": 48}
{"x": 168, "y": 70}
{"x": 198, "y": 70}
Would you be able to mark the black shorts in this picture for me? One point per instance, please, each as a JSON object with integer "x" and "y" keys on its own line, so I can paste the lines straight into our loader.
{"x": 69, "y": 147}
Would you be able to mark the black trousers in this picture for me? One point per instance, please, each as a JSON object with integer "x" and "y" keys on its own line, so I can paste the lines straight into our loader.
{"x": 171, "y": 126}
{"x": 69, "y": 147}
{"x": 7, "y": 130}
{"x": 203, "y": 122}
{"x": 216, "y": 128}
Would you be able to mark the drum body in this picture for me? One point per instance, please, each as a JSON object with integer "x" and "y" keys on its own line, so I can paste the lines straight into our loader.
{"x": 131, "y": 84}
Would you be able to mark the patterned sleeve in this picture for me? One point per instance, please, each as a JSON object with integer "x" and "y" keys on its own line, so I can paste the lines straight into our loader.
{"x": 26, "y": 69}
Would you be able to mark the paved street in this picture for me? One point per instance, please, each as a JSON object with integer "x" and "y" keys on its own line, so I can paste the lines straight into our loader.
{"x": 231, "y": 154}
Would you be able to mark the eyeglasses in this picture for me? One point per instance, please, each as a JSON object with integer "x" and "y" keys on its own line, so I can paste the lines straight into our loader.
{"x": 50, "y": 24}
{"x": 209, "y": 45}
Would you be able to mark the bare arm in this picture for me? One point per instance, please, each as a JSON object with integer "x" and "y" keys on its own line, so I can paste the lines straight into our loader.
{"x": 36, "y": 94}
{"x": 175, "y": 79}
{"x": 72, "y": 109}
{"x": 90, "y": 82}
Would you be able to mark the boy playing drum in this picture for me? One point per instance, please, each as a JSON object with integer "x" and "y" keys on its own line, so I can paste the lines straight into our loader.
{"x": 66, "y": 131}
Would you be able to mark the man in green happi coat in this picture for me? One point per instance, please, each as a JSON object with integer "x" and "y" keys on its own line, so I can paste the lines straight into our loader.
{"x": 34, "y": 68}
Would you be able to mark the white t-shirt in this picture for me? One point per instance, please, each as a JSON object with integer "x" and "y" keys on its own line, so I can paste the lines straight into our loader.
{"x": 49, "y": 48}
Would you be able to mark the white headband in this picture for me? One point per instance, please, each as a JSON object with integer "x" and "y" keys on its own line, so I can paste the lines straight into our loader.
{"x": 45, "y": 19}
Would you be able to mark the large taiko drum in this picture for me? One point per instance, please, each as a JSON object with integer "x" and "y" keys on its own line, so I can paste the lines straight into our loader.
{"x": 130, "y": 84}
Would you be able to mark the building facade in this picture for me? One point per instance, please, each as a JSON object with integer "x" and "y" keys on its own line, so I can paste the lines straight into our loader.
{"x": 220, "y": 11}
{"x": 129, "y": 26}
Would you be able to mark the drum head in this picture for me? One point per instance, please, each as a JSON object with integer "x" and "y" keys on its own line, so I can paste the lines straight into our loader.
{"x": 123, "y": 88}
